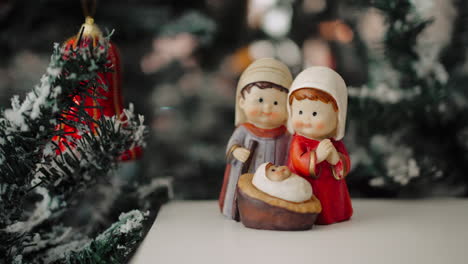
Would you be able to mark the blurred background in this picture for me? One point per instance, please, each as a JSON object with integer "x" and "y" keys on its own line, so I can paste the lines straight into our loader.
{"x": 405, "y": 63}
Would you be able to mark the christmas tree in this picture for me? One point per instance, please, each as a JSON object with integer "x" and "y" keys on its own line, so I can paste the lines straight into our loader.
{"x": 43, "y": 182}
{"x": 408, "y": 121}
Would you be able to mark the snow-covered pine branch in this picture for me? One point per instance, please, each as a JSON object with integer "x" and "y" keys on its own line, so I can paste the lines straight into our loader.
{"x": 41, "y": 161}
{"x": 114, "y": 244}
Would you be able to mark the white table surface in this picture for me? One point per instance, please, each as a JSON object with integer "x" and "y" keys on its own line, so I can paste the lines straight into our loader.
{"x": 381, "y": 231}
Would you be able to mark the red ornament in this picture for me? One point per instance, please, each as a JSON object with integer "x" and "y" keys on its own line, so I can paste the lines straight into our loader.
{"x": 112, "y": 102}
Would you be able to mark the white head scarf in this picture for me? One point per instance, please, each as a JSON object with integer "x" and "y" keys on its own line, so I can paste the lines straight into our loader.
{"x": 327, "y": 80}
{"x": 293, "y": 189}
{"x": 261, "y": 70}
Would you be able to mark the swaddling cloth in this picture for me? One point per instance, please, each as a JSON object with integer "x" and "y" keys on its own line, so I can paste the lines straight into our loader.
{"x": 291, "y": 188}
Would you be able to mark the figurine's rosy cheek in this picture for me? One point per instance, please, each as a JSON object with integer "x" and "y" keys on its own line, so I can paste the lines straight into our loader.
{"x": 254, "y": 112}
{"x": 284, "y": 170}
{"x": 320, "y": 125}
{"x": 275, "y": 115}
{"x": 298, "y": 124}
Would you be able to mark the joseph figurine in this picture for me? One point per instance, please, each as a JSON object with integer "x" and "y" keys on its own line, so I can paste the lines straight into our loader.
{"x": 261, "y": 115}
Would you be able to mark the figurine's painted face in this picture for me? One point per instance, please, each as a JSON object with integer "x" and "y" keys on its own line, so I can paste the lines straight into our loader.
{"x": 314, "y": 118}
{"x": 277, "y": 173}
{"x": 264, "y": 108}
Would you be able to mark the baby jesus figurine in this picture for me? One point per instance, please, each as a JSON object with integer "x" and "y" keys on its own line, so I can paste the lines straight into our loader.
{"x": 274, "y": 198}
{"x": 278, "y": 181}
{"x": 277, "y": 173}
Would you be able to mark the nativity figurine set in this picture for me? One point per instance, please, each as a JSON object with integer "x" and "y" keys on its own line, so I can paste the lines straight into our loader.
{"x": 286, "y": 163}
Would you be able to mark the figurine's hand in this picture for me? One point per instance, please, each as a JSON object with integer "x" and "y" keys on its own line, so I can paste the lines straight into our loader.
{"x": 324, "y": 149}
{"x": 334, "y": 157}
{"x": 241, "y": 154}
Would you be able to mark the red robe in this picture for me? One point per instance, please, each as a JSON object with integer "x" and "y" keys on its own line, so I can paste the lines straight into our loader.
{"x": 327, "y": 180}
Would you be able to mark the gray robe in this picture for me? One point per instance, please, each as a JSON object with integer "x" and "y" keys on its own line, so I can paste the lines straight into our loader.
{"x": 272, "y": 150}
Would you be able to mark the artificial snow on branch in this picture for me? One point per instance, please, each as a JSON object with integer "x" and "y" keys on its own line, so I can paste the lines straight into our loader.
{"x": 111, "y": 246}
{"x": 44, "y": 167}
